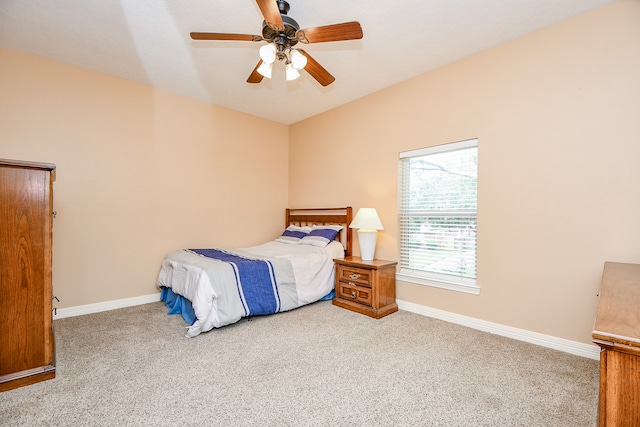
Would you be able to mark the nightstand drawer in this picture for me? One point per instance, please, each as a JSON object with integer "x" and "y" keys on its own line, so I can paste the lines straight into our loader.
{"x": 350, "y": 291}
{"x": 358, "y": 276}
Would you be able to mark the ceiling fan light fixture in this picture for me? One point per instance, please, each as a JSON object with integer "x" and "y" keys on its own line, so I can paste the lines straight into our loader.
{"x": 291, "y": 72}
{"x": 298, "y": 60}
{"x": 268, "y": 53}
{"x": 265, "y": 69}
{"x": 280, "y": 34}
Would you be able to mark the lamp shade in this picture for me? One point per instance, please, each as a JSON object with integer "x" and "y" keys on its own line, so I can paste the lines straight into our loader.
{"x": 265, "y": 69}
{"x": 298, "y": 60}
{"x": 268, "y": 53}
{"x": 291, "y": 73}
{"x": 368, "y": 219}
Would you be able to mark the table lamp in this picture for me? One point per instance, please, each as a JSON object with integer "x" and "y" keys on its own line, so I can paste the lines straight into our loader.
{"x": 368, "y": 223}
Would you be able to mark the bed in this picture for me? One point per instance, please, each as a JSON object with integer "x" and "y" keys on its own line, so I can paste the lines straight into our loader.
{"x": 215, "y": 287}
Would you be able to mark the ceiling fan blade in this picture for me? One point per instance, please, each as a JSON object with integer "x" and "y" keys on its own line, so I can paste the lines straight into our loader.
{"x": 226, "y": 36}
{"x": 255, "y": 76}
{"x": 271, "y": 13}
{"x": 317, "y": 71}
{"x": 331, "y": 33}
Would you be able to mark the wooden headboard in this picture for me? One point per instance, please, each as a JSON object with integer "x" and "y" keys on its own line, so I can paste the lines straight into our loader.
{"x": 309, "y": 216}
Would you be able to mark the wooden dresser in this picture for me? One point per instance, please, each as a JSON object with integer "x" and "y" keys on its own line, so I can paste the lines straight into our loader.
{"x": 617, "y": 332}
{"x": 367, "y": 287}
{"x": 26, "y": 321}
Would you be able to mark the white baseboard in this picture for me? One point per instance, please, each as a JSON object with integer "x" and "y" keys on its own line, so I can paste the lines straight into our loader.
{"x": 61, "y": 313}
{"x": 572, "y": 347}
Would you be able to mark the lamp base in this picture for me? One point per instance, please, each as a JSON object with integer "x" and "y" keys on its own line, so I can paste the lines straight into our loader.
{"x": 367, "y": 241}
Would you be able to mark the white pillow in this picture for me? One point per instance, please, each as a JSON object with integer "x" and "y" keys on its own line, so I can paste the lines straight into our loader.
{"x": 321, "y": 235}
{"x": 336, "y": 227}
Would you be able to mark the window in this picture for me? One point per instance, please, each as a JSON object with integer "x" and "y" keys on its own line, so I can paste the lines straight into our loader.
{"x": 438, "y": 191}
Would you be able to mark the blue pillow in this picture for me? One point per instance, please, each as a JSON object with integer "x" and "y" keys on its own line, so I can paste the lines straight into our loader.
{"x": 320, "y": 235}
{"x": 293, "y": 234}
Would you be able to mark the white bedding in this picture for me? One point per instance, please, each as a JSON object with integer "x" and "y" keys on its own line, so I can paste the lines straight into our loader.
{"x": 210, "y": 285}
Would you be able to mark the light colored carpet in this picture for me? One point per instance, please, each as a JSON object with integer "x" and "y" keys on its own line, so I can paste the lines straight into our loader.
{"x": 319, "y": 365}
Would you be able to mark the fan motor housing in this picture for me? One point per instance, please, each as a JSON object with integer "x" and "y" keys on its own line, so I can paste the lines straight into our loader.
{"x": 291, "y": 27}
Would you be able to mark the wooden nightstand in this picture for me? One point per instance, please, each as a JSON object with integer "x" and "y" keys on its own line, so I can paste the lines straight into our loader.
{"x": 367, "y": 287}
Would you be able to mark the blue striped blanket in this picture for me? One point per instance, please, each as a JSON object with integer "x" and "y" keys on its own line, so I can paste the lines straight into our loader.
{"x": 255, "y": 281}
{"x": 223, "y": 286}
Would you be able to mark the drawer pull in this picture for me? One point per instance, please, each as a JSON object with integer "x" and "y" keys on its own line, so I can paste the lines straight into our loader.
{"x": 354, "y": 276}
{"x": 351, "y": 283}
{"x": 353, "y": 294}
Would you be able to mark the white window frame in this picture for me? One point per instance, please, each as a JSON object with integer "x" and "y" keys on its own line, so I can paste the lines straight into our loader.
{"x": 406, "y": 274}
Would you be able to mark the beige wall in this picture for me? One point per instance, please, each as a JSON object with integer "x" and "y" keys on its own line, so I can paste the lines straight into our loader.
{"x": 557, "y": 115}
{"x": 140, "y": 172}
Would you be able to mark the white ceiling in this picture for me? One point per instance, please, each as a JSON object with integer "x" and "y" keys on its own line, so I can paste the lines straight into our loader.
{"x": 147, "y": 41}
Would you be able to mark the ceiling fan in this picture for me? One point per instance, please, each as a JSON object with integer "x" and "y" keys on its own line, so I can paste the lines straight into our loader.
{"x": 282, "y": 33}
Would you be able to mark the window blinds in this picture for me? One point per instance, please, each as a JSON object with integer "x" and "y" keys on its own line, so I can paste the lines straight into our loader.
{"x": 438, "y": 212}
